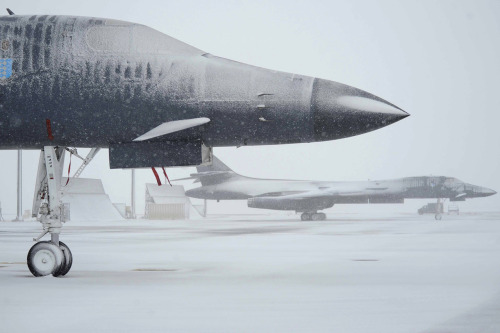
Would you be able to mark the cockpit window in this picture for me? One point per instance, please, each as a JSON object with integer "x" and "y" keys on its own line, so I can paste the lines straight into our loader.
{"x": 110, "y": 38}
{"x": 147, "y": 40}
{"x": 135, "y": 38}
{"x": 452, "y": 180}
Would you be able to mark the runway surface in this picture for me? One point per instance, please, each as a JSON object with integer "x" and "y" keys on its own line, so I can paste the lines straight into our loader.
{"x": 352, "y": 273}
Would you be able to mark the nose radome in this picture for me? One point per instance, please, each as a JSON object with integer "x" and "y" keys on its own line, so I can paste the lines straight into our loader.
{"x": 341, "y": 111}
{"x": 488, "y": 191}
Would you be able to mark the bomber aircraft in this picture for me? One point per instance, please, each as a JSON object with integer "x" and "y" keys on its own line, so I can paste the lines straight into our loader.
{"x": 219, "y": 182}
{"x": 153, "y": 101}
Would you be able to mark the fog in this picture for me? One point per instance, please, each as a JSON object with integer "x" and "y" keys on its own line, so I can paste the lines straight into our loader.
{"x": 438, "y": 61}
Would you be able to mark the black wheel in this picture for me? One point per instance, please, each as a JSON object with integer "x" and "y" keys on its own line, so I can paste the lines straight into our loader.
{"x": 44, "y": 258}
{"x": 322, "y": 216}
{"x": 438, "y": 217}
{"x": 316, "y": 217}
{"x": 305, "y": 217}
{"x": 420, "y": 212}
{"x": 67, "y": 261}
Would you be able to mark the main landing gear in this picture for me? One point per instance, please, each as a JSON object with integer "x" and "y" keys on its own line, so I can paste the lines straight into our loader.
{"x": 49, "y": 257}
{"x": 313, "y": 216}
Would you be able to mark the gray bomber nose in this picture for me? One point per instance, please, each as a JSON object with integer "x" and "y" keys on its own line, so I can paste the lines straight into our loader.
{"x": 488, "y": 192}
{"x": 340, "y": 111}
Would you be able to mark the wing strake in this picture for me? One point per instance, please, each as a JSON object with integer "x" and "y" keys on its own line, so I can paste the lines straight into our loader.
{"x": 171, "y": 127}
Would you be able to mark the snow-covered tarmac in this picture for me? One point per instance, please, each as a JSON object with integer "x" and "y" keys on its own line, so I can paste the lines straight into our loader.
{"x": 353, "y": 273}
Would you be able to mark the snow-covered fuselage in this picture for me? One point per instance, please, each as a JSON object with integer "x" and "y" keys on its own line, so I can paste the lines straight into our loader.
{"x": 90, "y": 82}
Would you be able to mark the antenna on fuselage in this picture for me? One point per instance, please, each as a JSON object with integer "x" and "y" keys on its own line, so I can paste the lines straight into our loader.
{"x": 10, "y": 12}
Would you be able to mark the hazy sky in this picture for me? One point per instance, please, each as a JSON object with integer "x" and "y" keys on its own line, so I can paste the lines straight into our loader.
{"x": 437, "y": 60}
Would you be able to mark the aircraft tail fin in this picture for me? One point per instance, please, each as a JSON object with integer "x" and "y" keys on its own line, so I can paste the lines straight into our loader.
{"x": 216, "y": 165}
{"x": 216, "y": 173}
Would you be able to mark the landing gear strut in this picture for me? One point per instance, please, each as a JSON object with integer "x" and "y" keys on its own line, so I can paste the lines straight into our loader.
{"x": 314, "y": 216}
{"x": 439, "y": 210}
{"x": 49, "y": 257}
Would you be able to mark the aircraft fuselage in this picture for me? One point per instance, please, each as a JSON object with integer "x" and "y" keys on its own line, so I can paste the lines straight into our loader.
{"x": 100, "y": 82}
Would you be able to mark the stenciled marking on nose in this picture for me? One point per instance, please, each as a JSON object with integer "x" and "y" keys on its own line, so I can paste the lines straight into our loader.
{"x": 368, "y": 105}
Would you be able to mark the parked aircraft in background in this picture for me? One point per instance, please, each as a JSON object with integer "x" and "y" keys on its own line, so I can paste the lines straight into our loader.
{"x": 219, "y": 182}
{"x": 153, "y": 101}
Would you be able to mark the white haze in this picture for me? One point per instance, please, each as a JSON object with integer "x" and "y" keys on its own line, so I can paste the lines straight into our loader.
{"x": 437, "y": 60}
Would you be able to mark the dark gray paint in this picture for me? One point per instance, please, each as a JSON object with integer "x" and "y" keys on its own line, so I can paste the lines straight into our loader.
{"x": 139, "y": 154}
{"x": 103, "y": 82}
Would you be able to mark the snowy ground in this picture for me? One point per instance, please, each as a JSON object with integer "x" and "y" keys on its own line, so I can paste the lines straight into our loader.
{"x": 353, "y": 273}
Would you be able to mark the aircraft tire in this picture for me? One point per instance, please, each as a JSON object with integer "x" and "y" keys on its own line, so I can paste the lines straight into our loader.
{"x": 316, "y": 217}
{"x": 67, "y": 261}
{"x": 44, "y": 258}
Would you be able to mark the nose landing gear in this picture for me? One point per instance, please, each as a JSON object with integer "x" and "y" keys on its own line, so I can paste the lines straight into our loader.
{"x": 49, "y": 257}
